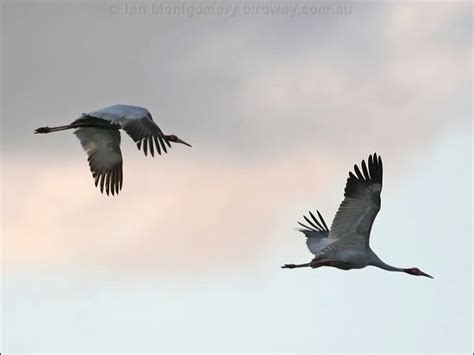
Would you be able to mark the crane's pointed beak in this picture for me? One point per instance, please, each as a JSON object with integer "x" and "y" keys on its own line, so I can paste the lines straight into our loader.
{"x": 183, "y": 142}
{"x": 425, "y": 274}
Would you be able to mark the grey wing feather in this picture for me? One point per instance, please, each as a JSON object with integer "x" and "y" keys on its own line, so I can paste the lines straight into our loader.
{"x": 139, "y": 125}
{"x": 316, "y": 232}
{"x": 361, "y": 203}
{"x": 104, "y": 156}
{"x": 315, "y": 245}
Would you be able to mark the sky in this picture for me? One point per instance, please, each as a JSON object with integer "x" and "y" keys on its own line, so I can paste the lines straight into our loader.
{"x": 278, "y": 109}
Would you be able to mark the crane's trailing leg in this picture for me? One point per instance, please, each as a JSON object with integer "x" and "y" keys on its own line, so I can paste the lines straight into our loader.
{"x": 84, "y": 121}
{"x": 293, "y": 266}
{"x": 53, "y": 129}
{"x": 313, "y": 264}
{"x": 321, "y": 262}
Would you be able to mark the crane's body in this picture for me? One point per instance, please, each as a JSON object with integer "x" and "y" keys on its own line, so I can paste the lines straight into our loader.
{"x": 346, "y": 245}
{"x": 120, "y": 113}
{"x": 99, "y": 134}
{"x": 356, "y": 257}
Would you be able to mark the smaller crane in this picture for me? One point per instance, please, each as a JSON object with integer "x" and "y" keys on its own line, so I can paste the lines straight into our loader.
{"x": 346, "y": 245}
{"x": 99, "y": 134}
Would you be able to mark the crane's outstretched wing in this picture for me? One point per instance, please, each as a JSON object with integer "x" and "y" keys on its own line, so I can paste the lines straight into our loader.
{"x": 145, "y": 131}
{"x": 139, "y": 125}
{"x": 361, "y": 203}
{"x": 316, "y": 231}
{"x": 105, "y": 159}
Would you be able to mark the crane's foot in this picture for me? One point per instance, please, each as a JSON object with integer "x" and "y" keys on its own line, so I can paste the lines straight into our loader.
{"x": 42, "y": 130}
{"x": 292, "y": 266}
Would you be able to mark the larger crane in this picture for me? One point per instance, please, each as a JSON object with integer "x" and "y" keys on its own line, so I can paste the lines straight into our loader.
{"x": 99, "y": 134}
{"x": 346, "y": 245}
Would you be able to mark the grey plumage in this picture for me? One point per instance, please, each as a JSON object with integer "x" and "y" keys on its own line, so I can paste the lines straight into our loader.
{"x": 346, "y": 244}
{"x": 98, "y": 132}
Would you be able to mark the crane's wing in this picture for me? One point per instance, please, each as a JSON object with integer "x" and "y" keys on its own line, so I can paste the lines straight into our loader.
{"x": 145, "y": 131}
{"x": 139, "y": 125}
{"x": 361, "y": 203}
{"x": 105, "y": 159}
{"x": 316, "y": 231}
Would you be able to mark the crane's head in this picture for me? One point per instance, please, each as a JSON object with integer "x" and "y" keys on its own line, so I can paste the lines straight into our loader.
{"x": 175, "y": 139}
{"x": 417, "y": 272}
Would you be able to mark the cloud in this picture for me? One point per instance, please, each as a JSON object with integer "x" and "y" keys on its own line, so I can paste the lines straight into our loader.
{"x": 173, "y": 215}
{"x": 276, "y": 109}
{"x": 252, "y": 85}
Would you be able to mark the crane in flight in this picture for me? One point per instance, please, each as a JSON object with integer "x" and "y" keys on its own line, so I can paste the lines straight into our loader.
{"x": 346, "y": 245}
{"x": 99, "y": 134}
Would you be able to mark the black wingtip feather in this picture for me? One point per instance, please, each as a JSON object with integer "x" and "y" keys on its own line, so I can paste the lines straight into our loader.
{"x": 372, "y": 173}
{"x": 322, "y": 220}
{"x": 163, "y": 145}
{"x": 150, "y": 143}
{"x": 310, "y": 223}
{"x": 102, "y": 179}
{"x": 108, "y": 182}
{"x": 145, "y": 146}
{"x": 316, "y": 225}
{"x": 157, "y": 145}
{"x": 320, "y": 226}
{"x": 305, "y": 226}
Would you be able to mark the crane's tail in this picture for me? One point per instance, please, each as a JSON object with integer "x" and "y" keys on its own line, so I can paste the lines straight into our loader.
{"x": 53, "y": 129}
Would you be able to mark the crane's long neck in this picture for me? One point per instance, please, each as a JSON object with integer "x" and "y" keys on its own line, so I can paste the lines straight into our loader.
{"x": 376, "y": 261}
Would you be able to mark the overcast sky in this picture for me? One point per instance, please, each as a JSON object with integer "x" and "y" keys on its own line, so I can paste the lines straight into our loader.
{"x": 278, "y": 108}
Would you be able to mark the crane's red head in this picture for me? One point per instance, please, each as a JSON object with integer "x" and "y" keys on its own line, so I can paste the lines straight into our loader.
{"x": 417, "y": 272}
{"x": 175, "y": 139}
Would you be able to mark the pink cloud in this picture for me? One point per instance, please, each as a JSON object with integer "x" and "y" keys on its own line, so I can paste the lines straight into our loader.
{"x": 173, "y": 214}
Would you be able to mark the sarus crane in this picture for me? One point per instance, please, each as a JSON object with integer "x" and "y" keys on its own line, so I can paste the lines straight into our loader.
{"x": 99, "y": 134}
{"x": 346, "y": 245}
